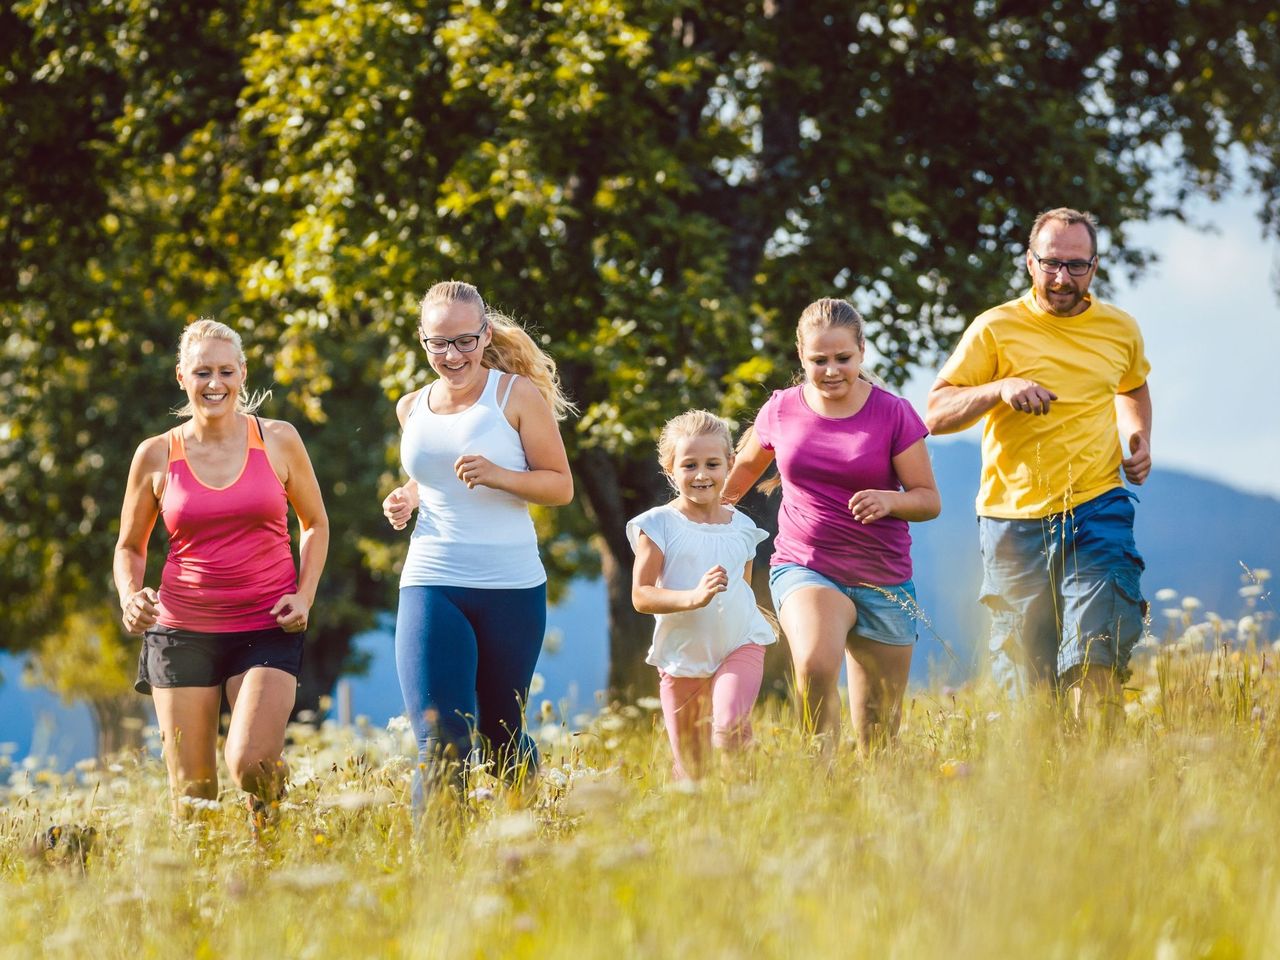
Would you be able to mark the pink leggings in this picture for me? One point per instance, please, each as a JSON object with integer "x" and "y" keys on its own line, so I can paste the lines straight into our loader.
{"x": 701, "y": 712}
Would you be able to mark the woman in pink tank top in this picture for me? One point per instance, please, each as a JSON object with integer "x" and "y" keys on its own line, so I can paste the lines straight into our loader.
{"x": 232, "y": 610}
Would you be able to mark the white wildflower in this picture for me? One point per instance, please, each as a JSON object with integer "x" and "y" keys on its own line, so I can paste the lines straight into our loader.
{"x": 1191, "y": 603}
{"x": 311, "y": 877}
{"x": 553, "y": 641}
{"x": 514, "y": 827}
{"x": 357, "y": 799}
{"x": 590, "y": 795}
{"x": 685, "y": 788}
{"x": 1165, "y": 594}
{"x": 199, "y": 803}
{"x": 536, "y": 684}
{"x": 551, "y": 734}
{"x": 487, "y": 905}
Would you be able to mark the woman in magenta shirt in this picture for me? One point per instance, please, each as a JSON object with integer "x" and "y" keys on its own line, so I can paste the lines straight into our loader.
{"x": 854, "y": 471}
{"x": 232, "y": 609}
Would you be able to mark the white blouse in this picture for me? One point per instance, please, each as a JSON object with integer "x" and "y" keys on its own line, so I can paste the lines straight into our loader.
{"x": 694, "y": 643}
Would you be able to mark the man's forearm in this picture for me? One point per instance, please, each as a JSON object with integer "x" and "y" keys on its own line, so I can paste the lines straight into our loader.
{"x": 951, "y": 409}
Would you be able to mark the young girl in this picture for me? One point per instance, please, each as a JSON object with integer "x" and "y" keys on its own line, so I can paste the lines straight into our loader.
{"x": 854, "y": 471}
{"x": 693, "y": 571}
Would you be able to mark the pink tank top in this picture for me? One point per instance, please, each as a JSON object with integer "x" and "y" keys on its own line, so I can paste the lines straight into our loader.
{"x": 229, "y": 558}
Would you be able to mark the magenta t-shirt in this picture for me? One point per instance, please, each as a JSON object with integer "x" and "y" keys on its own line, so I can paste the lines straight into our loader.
{"x": 823, "y": 462}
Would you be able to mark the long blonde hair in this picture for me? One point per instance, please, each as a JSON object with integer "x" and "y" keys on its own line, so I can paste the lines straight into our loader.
{"x": 206, "y": 328}
{"x": 510, "y": 348}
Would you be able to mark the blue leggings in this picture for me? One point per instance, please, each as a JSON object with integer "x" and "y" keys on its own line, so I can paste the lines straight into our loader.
{"x": 465, "y": 658}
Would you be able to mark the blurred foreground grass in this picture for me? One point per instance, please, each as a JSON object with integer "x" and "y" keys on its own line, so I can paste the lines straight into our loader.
{"x": 991, "y": 830}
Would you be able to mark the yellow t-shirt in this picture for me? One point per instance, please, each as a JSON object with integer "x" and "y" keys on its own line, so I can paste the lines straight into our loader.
{"x": 1034, "y": 466}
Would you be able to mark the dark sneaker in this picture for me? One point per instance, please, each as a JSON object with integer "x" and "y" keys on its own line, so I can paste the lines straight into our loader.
{"x": 64, "y": 844}
{"x": 262, "y": 817}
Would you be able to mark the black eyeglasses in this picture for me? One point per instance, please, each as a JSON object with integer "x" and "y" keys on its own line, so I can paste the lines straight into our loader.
{"x": 463, "y": 344}
{"x": 1077, "y": 268}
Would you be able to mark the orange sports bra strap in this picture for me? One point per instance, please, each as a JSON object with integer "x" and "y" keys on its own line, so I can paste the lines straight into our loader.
{"x": 176, "y": 449}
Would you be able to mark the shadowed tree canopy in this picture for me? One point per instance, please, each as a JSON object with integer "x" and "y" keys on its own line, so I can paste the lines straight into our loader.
{"x": 655, "y": 188}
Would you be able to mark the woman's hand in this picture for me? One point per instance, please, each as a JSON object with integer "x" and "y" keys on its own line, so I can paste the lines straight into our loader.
{"x": 399, "y": 505}
{"x": 291, "y": 612}
{"x": 477, "y": 471}
{"x": 140, "y": 610}
{"x": 868, "y": 506}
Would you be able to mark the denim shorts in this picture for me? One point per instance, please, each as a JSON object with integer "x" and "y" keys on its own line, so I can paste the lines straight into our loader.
{"x": 1063, "y": 591}
{"x": 172, "y": 657}
{"x": 885, "y": 614}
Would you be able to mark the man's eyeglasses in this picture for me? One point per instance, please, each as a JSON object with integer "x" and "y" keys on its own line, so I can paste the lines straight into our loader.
{"x": 1077, "y": 268}
{"x": 463, "y": 344}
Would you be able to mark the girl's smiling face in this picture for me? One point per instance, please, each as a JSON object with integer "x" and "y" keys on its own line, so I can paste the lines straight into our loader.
{"x": 700, "y": 467}
{"x": 832, "y": 358}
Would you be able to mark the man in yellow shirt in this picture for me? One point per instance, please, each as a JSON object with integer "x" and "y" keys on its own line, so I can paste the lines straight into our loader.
{"x": 1059, "y": 378}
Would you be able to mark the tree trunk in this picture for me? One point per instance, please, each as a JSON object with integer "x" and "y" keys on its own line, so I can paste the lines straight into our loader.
{"x": 322, "y": 662}
{"x": 630, "y": 634}
{"x": 118, "y": 722}
{"x": 614, "y": 500}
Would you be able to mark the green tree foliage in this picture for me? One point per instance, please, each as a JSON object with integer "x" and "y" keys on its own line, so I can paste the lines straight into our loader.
{"x": 657, "y": 188}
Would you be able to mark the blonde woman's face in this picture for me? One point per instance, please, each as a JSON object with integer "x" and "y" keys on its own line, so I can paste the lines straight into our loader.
{"x": 832, "y": 359}
{"x": 212, "y": 376}
{"x": 460, "y": 335}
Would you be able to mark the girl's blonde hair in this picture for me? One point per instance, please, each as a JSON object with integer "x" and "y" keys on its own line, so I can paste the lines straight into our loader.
{"x": 693, "y": 423}
{"x": 207, "y": 328}
{"x": 511, "y": 349}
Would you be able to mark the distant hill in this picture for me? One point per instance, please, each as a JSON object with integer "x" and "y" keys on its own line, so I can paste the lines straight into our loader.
{"x": 1193, "y": 532}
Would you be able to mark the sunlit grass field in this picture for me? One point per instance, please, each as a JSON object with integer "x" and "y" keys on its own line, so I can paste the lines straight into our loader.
{"x": 990, "y": 829}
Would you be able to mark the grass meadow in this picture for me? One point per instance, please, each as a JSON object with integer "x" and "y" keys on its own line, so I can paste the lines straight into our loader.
{"x": 991, "y": 829}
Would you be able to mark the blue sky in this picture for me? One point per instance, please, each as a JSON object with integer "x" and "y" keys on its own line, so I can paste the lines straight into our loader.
{"x": 1211, "y": 320}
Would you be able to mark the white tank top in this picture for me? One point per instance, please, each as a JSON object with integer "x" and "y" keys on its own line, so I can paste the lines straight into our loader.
{"x": 467, "y": 538}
